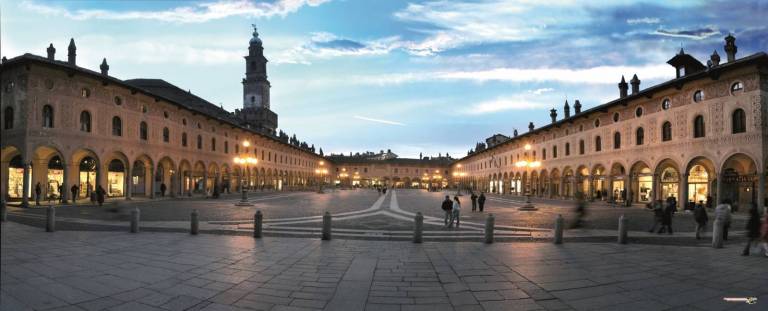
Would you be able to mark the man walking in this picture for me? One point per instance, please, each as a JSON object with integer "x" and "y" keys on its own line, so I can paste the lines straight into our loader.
{"x": 753, "y": 229}
{"x": 38, "y": 190}
{"x": 700, "y": 215}
{"x": 723, "y": 214}
{"x": 666, "y": 218}
{"x": 447, "y": 206}
{"x": 100, "y": 195}
{"x": 481, "y": 201}
{"x": 658, "y": 214}
{"x": 75, "y": 189}
{"x": 473, "y": 197}
{"x": 162, "y": 189}
{"x": 455, "y": 212}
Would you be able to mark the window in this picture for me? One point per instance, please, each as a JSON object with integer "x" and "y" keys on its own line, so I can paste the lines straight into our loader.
{"x": 598, "y": 144}
{"x": 639, "y": 112}
{"x": 680, "y": 71}
{"x": 237, "y": 148}
{"x": 85, "y": 121}
{"x": 118, "y": 100}
{"x": 665, "y": 104}
{"x": 85, "y": 92}
{"x": 166, "y": 135}
{"x": 554, "y": 152}
{"x": 567, "y": 149}
{"x": 616, "y": 140}
{"x": 666, "y": 131}
{"x": 117, "y": 126}
{"x": 213, "y": 144}
{"x": 184, "y": 121}
{"x": 639, "y": 136}
{"x": 615, "y": 117}
{"x": 199, "y": 142}
{"x": 165, "y": 114}
{"x": 698, "y": 96}
{"x": 47, "y": 116}
{"x": 738, "y": 121}
{"x": 143, "y": 130}
{"x": 581, "y": 146}
{"x": 8, "y": 118}
{"x": 737, "y": 87}
{"x": 543, "y": 154}
{"x": 144, "y": 109}
{"x": 226, "y": 147}
{"x": 597, "y": 122}
{"x": 698, "y": 127}
{"x": 183, "y": 139}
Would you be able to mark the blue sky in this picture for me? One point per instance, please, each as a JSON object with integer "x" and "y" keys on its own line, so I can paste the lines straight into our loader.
{"x": 411, "y": 76}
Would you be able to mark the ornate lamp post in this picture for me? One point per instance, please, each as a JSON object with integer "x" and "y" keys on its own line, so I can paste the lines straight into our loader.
{"x": 528, "y": 164}
{"x": 244, "y": 161}
{"x": 321, "y": 171}
{"x": 460, "y": 177}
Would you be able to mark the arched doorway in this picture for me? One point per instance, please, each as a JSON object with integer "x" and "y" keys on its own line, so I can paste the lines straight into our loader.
{"x": 116, "y": 178}
{"x": 554, "y": 188}
{"x": 669, "y": 180}
{"x": 642, "y": 182}
{"x": 701, "y": 176}
{"x": 618, "y": 188}
{"x": 16, "y": 179}
{"x": 599, "y": 185}
{"x": 568, "y": 182}
{"x": 534, "y": 183}
{"x": 88, "y": 169}
{"x": 543, "y": 183}
{"x": 739, "y": 179}
{"x": 55, "y": 178}
{"x": 138, "y": 178}
{"x": 582, "y": 181}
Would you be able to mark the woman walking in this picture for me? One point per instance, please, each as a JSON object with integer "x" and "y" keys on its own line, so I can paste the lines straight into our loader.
{"x": 701, "y": 217}
{"x": 753, "y": 229}
{"x": 455, "y": 212}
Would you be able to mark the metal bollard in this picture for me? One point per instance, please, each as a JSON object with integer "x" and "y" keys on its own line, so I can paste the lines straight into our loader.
{"x": 194, "y": 223}
{"x": 258, "y": 218}
{"x": 418, "y": 227}
{"x": 135, "y": 214}
{"x": 717, "y": 234}
{"x": 559, "y": 229}
{"x": 623, "y": 227}
{"x": 490, "y": 222}
{"x": 326, "y": 226}
{"x": 50, "y": 219}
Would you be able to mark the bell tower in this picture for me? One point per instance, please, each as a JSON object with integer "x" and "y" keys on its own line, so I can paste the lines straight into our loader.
{"x": 256, "y": 113}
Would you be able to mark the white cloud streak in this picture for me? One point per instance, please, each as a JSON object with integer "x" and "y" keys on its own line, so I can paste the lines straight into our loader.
{"x": 644, "y": 20}
{"x": 320, "y": 46}
{"x": 378, "y": 120}
{"x": 501, "y": 104}
{"x": 541, "y": 90}
{"x": 199, "y": 13}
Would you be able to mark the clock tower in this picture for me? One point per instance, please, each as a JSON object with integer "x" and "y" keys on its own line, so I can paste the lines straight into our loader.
{"x": 256, "y": 112}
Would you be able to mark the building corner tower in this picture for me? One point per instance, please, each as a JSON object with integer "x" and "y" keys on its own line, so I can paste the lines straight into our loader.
{"x": 256, "y": 113}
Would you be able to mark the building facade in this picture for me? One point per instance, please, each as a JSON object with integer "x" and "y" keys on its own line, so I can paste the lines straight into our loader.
{"x": 698, "y": 137}
{"x": 362, "y": 171}
{"x": 64, "y": 126}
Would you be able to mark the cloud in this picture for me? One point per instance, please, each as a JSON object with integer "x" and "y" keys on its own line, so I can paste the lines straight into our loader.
{"x": 644, "y": 20}
{"x": 541, "y": 90}
{"x": 198, "y": 13}
{"x": 501, "y": 104}
{"x": 698, "y": 34}
{"x": 594, "y": 75}
{"x": 378, "y": 120}
{"x": 323, "y": 45}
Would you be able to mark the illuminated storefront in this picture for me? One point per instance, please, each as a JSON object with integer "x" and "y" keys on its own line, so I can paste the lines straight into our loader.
{"x": 698, "y": 183}
{"x": 669, "y": 183}
{"x": 55, "y": 177}
{"x": 116, "y": 179}
{"x": 16, "y": 178}
{"x": 87, "y": 176}
{"x": 645, "y": 185}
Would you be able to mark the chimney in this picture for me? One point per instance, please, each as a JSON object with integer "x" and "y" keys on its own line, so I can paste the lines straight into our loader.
{"x": 72, "y": 52}
{"x": 715, "y": 58}
{"x": 553, "y": 115}
{"x": 51, "y": 51}
{"x": 567, "y": 110}
{"x": 635, "y": 84}
{"x": 730, "y": 47}
{"x": 104, "y": 67}
{"x": 514, "y": 133}
{"x": 622, "y": 88}
{"x": 530, "y": 126}
{"x": 576, "y": 107}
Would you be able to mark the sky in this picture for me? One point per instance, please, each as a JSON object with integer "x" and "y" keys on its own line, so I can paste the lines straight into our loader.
{"x": 430, "y": 77}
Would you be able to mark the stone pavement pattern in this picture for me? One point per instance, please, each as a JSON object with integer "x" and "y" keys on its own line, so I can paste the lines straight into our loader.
{"x": 72, "y": 270}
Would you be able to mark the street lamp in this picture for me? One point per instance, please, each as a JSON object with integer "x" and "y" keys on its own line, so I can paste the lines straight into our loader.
{"x": 528, "y": 165}
{"x": 244, "y": 161}
{"x": 321, "y": 171}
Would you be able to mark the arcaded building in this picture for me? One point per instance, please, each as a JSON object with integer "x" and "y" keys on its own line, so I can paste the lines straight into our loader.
{"x": 64, "y": 126}
{"x": 698, "y": 137}
{"x": 391, "y": 171}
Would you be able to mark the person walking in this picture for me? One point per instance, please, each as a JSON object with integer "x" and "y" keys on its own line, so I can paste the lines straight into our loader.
{"x": 162, "y": 189}
{"x": 75, "y": 189}
{"x": 658, "y": 214}
{"x": 753, "y": 229}
{"x": 473, "y": 197}
{"x": 666, "y": 218}
{"x": 455, "y": 212}
{"x": 100, "y": 195}
{"x": 61, "y": 191}
{"x": 723, "y": 214}
{"x": 581, "y": 210}
{"x": 481, "y": 201}
{"x": 701, "y": 218}
{"x": 38, "y": 190}
{"x": 446, "y": 207}
{"x": 765, "y": 229}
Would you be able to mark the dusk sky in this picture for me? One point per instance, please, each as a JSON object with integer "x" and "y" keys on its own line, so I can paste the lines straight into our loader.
{"x": 411, "y": 76}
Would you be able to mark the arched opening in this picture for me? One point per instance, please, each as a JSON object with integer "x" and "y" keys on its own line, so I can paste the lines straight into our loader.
{"x": 598, "y": 183}
{"x": 87, "y": 169}
{"x": 116, "y": 178}
{"x": 639, "y": 136}
{"x": 669, "y": 180}
{"x": 16, "y": 178}
{"x": 666, "y": 131}
{"x": 642, "y": 182}
{"x": 618, "y": 190}
{"x": 701, "y": 176}
{"x": 139, "y": 178}
{"x": 739, "y": 179}
{"x": 555, "y": 187}
{"x": 55, "y": 178}
{"x": 47, "y": 116}
{"x": 698, "y": 127}
{"x": 582, "y": 181}
{"x": 568, "y": 182}
{"x": 117, "y": 126}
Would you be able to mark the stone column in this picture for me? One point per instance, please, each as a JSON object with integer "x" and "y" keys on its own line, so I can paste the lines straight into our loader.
{"x": 152, "y": 170}
{"x": 684, "y": 190}
{"x": 591, "y": 180}
{"x": 65, "y": 182}
{"x": 574, "y": 189}
{"x": 609, "y": 189}
{"x": 760, "y": 190}
{"x": 561, "y": 187}
{"x": 629, "y": 179}
{"x": 656, "y": 188}
{"x": 128, "y": 187}
{"x": 205, "y": 182}
{"x": 25, "y": 185}
{"x": 719, "y": 185}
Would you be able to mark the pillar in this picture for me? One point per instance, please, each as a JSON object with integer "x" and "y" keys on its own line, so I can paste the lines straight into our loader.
{"x": 65, "y": 182}
{"x": 205, "y": 182}
{"x": 561, "y": 187}
{"x": 127, "y": 184}
{"x": 719, "y": 185}
{"x": 591, "y": 187}
{"x": 684, "y": 190}
{"x": 629, "y": 179}
{"x": 609, "y": 190}
{"x": 25, "y": 185}
{"x": 151, "y": 180}
{"x": 656, "y": 188}
{"x": 760, "y": 190}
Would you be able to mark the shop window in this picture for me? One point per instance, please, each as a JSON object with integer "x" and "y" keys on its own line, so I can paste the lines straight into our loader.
{"x": 85, "y": 121}
{"x": 738, "y": 121}
{"x": 698, "y": 127}
{"x": 666, "y": 131}
{"x": 47, "y": 116}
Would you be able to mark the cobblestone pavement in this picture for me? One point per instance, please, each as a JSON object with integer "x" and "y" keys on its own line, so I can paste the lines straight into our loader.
{"x": 72, "y": 270}
{"x": 365, "y": 213}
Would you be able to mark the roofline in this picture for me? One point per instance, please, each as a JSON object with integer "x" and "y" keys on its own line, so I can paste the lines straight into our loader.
{"x": 28, "y": 57}
{"x": 760, "y": 57}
